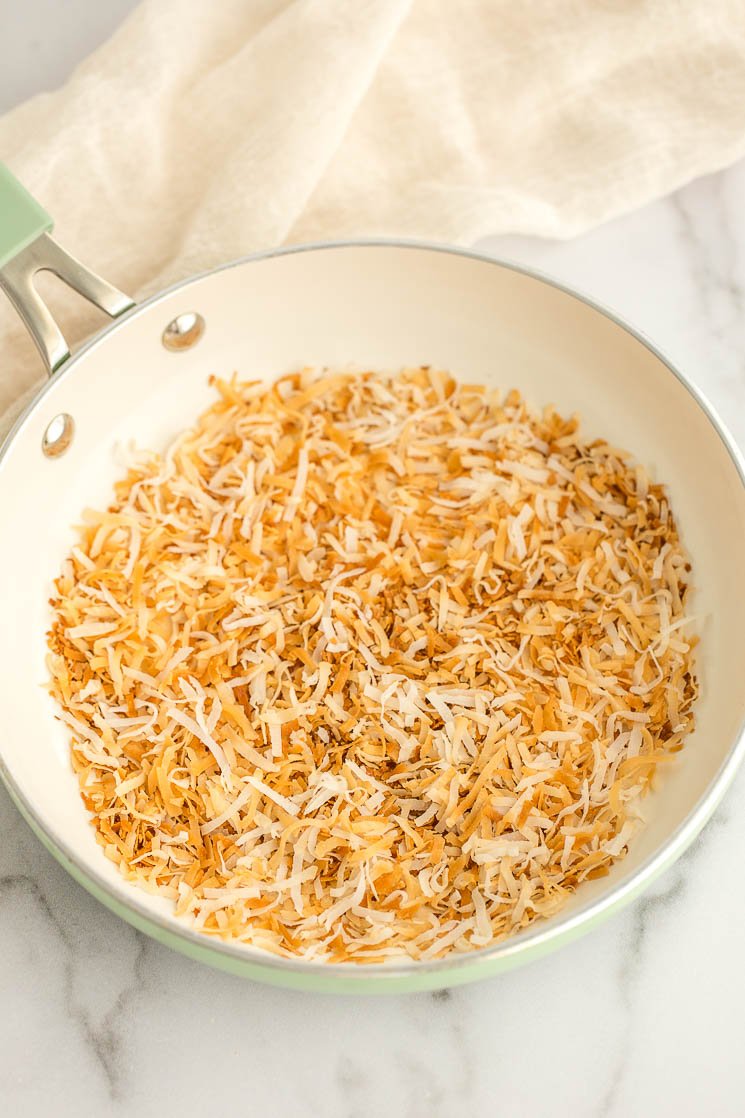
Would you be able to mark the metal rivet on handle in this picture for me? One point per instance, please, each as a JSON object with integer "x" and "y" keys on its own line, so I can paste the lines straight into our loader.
{"x": 58, "y": 435}
{"x": 184, "y": 331}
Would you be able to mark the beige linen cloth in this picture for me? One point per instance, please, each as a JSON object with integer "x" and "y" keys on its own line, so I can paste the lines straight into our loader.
{"x": 208, "y": 129}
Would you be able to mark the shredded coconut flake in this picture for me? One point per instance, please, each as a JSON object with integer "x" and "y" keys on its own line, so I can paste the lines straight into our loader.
{"x": 367, "y": 667}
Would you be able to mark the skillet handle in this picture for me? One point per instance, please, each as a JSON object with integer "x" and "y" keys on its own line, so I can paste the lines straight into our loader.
{"x": 27, "y": 248}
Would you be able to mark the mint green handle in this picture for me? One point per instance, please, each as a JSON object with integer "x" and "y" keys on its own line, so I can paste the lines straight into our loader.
{"x": 22, "y": 219}
{"x": 25, "y": 249}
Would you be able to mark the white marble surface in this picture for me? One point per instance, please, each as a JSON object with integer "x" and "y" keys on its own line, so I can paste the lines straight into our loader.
{"x": 642, "y": 1017}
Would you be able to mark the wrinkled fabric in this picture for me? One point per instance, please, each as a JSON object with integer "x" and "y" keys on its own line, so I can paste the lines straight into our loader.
{"x": 205, "y": 131}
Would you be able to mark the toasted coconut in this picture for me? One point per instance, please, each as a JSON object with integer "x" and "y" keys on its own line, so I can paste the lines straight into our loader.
{"x": 370, "y": 666}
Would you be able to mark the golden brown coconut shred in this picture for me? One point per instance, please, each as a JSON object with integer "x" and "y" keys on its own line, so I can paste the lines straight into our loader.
{"x": 372, "y": 666}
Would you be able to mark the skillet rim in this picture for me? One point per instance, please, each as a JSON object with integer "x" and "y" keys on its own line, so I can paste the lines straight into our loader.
{"x": 537, "y": 938}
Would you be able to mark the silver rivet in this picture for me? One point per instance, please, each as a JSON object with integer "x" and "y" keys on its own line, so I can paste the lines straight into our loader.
{"x": 184, "y": 331}
{"x": 58, "y": 435}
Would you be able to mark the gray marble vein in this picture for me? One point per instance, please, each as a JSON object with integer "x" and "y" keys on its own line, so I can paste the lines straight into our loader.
{"x": 102, "y": 1037}
{"x": 59, "y": 939}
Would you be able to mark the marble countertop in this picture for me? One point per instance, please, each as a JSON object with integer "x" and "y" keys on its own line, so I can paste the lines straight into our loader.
{"x": 641, "y": 1017}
